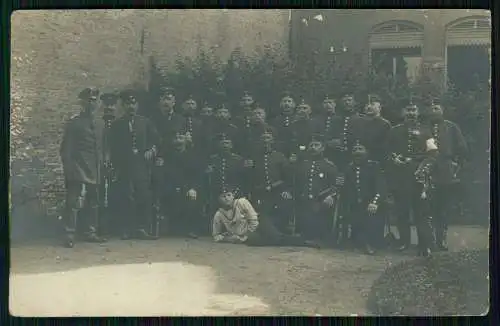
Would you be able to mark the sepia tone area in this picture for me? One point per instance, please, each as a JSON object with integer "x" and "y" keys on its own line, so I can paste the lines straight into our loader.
{"x": 215, "y": 60}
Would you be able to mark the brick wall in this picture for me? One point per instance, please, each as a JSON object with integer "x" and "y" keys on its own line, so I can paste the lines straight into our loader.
{"x": 57, "y": 53}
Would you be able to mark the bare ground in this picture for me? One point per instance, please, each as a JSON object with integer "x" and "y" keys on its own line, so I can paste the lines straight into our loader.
{"x": 198, "y": 277}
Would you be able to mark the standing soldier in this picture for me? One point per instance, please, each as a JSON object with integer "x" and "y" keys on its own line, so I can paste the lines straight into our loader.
{"x": 375, "y": 130}
{"x": 283, "y": 125}
{"x": 271, "y": 182}
{"x": 363, "y": 191}
{"x": 258, "y": 126}
{"x": 81, "y": 158}
{"x": 452, "y": 152}
{"x": 405, "y": 147}
{"x": 109, "y": 101}
{"x": 243, "y": 120}
{"x": 425, "y": 177}
{"x": 315, "y": 191}
{"x": 207, "y": 133}
{"x": 133, "y": 149}
{"x": 224, "y": 172}
{"x": 302, "y": 130}
{"x": 191, "y": 125}
{"x": 223, "y": 125}
{"x": 181, "y": 182}
{"x": 329, "y": 124}
{"x": 167, "y": 121}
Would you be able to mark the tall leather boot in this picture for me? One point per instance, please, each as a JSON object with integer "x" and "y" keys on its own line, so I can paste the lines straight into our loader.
{"x": 70, "y": 228}
{"x": 441, "y": 238}
{"x": 93, "y": 222}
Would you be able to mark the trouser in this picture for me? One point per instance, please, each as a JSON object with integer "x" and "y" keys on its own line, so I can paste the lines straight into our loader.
{"x": 81, "y": 195}
{"x": 367, "y": 229}
{"x": 268, "y": 235}
{"x": 407, "y": 201}
{"x": 184, "y": 215}
{"x": 440, "y": 205}
{"x": 279, "y": 210}
{"x": 136, "y": 206}
{"x": 423, "y": 223}
{"x": 314, "y": 220}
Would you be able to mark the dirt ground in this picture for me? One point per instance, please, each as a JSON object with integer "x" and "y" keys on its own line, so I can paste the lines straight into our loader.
{"x": 198, "y": 277}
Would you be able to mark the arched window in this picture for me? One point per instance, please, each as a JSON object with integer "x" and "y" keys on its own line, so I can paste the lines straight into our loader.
{"x": 396, "y": 49}
{"x": 469, "y": 31}
{"x": 396, "y": 34}
{"x": 468, "y": 52}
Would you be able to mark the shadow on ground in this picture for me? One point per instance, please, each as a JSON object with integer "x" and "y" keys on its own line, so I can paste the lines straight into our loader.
{"x": 280, "y": 281}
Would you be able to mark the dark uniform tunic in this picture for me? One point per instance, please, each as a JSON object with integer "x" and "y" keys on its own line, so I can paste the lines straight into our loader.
{"x": 167, "y": 125}
{"x": 194, "y": 126}
{"x": 315, "y": 180}
{"x": 270, "y": 176}
{"x": 253, "y": 136}
{"x": 282, "y": 124}
{"x": 81, "y": 155}
{"x": 225, "y": 175}
{"x": 373, "y": 137}
{"x": 452, "y": 151}
{"x": 364, "y": 184}
{"x": 244, "y": 123}
{"x": 128, "y": 143}
{"x": 329, "y": 127}
{"x": 302, "y": 131}
{"x": 182, "y": 172}
{"x": 349, "y": 133}
{"x": 406, "y": 142}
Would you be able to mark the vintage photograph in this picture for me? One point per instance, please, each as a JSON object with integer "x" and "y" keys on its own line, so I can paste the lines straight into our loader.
{"x": 256, "y": 162}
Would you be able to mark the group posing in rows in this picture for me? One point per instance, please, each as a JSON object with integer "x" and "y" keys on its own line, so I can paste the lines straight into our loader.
{"x": 291, "y": 176}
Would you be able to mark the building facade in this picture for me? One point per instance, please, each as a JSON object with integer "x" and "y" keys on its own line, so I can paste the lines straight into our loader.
{"x": 454, "y": 43}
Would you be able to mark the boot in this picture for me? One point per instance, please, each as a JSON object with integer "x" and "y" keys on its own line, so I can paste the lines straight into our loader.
{"x": 141, "y": 234}
{"x": 70, "y": 229}
{"x": 91, "y": 234}
{"x": 369, "y": 250}
{"x": 441, "y": 243}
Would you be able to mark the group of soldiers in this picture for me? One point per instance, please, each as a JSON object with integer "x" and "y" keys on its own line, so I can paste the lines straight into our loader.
{"x": 324, "y": 175}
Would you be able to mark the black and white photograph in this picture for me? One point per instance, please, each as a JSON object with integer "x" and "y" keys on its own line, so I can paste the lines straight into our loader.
{"x": 250, "y": 162}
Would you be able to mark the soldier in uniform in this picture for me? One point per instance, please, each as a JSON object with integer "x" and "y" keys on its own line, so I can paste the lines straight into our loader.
{"x": 109, "y": 198}
{"x": 224, "y": 171}
{"x": 81, "y": 157}
{"x": 302, "y": 130}
{"x": 315, "y": 191}
{"x": 452, "y": 153}
{"x": 425, "y": 176}
{"x": 405, "y": 147}
{"x": 376, "y": 129}
{"x": 133, "y": 150}
{"x": 181, "y": 190}
{"x": 271, "y": 182}
{"x": 223, "y": 125}
{"x": 191, "y": 125}
{"x": 363, "y": 191}
{"x": 208, "y": 130}
{"x": 258, "y": 126}
{"x": 167, "y": 122}
{"x": 243, "y": 120}
{"x": 329, "y": 125}
{"x": 283, "y": 125}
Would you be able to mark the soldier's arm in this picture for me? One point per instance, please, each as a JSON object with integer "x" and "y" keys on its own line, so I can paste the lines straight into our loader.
{"x": 459, "y": 144}
{"x": 218, "y": 228}
{"x": 250, "y": 214}
{"x": 66, "y": 142}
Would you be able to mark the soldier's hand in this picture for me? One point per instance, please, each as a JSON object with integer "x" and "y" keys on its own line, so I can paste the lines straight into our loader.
{"x": 159, "y": 161}
{"x": 286, "y": 195}
{"x": 192, "y": 194}
{"x": 372, "y": 208}
{"x": 423, "y": 195}
{"x": 339, "y": 181}
{"x": 149, "y": 154}
{"x": 210, "y": 169}
{"x": 329, "y": 201}
{"x": 293, "y": 158}
{"x": 248, "y": 163}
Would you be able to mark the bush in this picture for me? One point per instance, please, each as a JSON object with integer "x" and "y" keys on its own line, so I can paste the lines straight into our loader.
{"x": 453, "y": 283}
